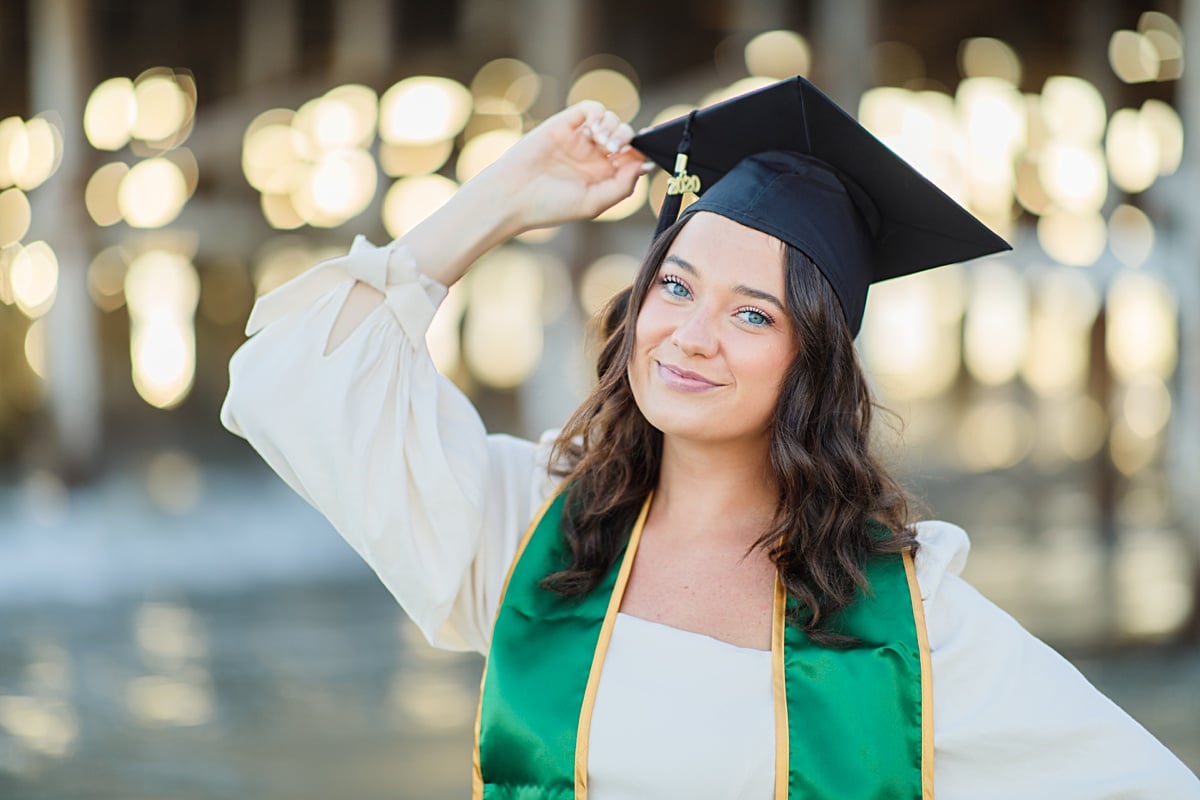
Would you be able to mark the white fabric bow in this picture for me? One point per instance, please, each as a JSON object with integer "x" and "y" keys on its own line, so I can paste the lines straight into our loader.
{"x": 381, "y": 267}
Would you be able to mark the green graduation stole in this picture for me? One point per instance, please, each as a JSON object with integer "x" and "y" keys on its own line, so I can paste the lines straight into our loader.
{"x": 854, "y": 723}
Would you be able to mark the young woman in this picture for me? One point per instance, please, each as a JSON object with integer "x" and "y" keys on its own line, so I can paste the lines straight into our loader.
{"x": 704, "y": 586}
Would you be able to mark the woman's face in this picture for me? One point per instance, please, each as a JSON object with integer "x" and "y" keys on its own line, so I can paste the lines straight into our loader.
{"x": 713, "y": 339}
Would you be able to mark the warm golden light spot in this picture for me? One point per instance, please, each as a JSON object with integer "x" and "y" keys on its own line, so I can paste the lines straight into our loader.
{"x": 161, "y": 283}
{"x": 1073, "y": 109}
{"x": 778, "y": 55}
{"x": 995, "y": 435}
{"x": 1166, "y": 37}
{"x": 987, "y": 57}
{"x": 411, "y": 200}
{"x": 1132, "y": 147}
{"x": 35, "y": 347}
{"x": 36, "y": 157}
{"x": 1130, "y": 235}
{"x": 495, "y": 78}
{"x": 45, "y": 725}
{"x": 1071, "y": 238}
{"x": 161, "y": 292}
{"x": 480, "y": 152}
{"x": 399, "y": 160}
{"x": 1146, "y": 406}
{"x": 1030, "y": 192}
{"x": 911, "y": 337}
{"x": 34, "y": 279}
{"x": 508, "y": 80}
{"x": 1130, "y": 453}
{"x": 1132, "y": 57}
{"x": 15, "y": 216}
{"x": 162, "y": 107}
{"x": 997, "y": 324}
{"x": 1074, "y": 176}
{"x": 106, "y": 278}
{"x": 152, "y": 194}
{"x": 279, "y": 212}
{"x": 110, "y": 114}
{"x": 185, "y": 159}
{"x": 346, "y": 117}
{"x": 100, "y": 195}
{"x": 612, "y": 89}
{"x": 423, "y": 110}
{"x": 14, "y": 148}
{"x": 268, "y": 154}
{"x": 1141, "y": 336}
{"x": 502, "y": 334}
{"x": 604, "y": 278}
{"x": 343, "y": 183}
{"x": 159, "y": 701}
{"x": 1168, "y": 130}
{"x": 1058, "y": 355}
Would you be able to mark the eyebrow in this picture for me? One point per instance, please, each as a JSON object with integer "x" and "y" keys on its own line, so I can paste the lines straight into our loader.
{"x": 740, "y": 288}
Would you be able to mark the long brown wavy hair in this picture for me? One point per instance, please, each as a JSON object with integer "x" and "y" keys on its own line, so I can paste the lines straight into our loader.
{"x": 830, "y": 485}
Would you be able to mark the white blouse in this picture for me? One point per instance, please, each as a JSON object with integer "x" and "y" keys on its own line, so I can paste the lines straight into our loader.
{"x": 399, "y": 462}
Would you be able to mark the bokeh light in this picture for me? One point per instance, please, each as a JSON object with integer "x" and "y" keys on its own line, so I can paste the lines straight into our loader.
{"x": 100, "y": 195}
{"x": 1141, "y": 336}
{"x": 1130, "y": 235}
{"x": 152, "y": 194}
{"x": 410, "y": 200}
{"x": 985, "y": 57}
{"x": 1132, "y": 147}
{"x": 1072, "y": 238}
{"x": 614, "y": 90}
{"x": 423, "y": 110}
{"x": 34, "y": 279}
{"x": 1132, "y": 57}
{"x": 110, "y": 114}
{"x": 15, "y": 216}
{"x": 778, "y": 54}
{"x": 605, "y": 277}
{"x": 479, "y": 153}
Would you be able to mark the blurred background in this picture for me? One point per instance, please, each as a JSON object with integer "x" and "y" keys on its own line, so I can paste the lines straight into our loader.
{"x": 175, "y": 623}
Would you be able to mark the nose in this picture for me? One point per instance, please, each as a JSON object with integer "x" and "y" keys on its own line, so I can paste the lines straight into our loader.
{"x": 695, "y": 334}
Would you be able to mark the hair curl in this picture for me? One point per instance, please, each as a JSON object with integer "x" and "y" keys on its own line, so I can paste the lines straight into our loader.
{"x": 830, "y": 486}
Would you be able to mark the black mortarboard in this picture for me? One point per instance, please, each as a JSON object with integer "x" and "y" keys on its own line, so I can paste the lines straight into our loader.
{"x": 786, "y": 160}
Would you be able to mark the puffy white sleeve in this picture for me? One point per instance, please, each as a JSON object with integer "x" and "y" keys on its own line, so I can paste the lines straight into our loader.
{"x": 387, "y": 449}
{"x": 1013, "y": 718}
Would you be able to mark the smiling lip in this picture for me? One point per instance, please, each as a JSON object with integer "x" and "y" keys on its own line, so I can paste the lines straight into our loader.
{"x": 683, "y": 380}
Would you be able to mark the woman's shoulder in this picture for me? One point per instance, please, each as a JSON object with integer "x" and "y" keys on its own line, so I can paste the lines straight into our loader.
{"x": 942, "y": 551}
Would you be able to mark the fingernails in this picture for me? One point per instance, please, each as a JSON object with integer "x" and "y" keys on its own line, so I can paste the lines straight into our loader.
{"x": 649, "y": 167}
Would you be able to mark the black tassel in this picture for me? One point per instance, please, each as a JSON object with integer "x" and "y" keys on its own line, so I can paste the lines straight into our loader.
{"x": 680, "y": 183}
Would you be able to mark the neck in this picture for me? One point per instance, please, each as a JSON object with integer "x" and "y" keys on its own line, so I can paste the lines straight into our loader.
{"x": 720, "y": 493}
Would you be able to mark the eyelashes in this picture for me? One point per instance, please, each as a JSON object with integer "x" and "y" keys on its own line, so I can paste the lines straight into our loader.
{"x": 752, "y": 316}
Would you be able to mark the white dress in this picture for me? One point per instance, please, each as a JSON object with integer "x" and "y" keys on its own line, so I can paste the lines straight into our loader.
{"x": 399, "y": 462}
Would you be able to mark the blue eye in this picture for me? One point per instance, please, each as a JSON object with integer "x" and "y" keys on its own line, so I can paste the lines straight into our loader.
{"x": 754, "y": 317}
{"x": 675, "y": 287}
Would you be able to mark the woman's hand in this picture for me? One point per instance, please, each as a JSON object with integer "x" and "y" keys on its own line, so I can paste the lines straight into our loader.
{"x": 573, "y": 166}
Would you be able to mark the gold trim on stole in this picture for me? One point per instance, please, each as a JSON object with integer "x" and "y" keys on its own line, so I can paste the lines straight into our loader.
{"x": 477, "y": 775}
{"x": 918, "y": 606}
{"x": 779, "y": 690}
{"x": 610, "y": 619}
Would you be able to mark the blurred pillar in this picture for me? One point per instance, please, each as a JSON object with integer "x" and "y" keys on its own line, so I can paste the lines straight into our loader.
{"x": 552, "y": 37}
{"x": 1184, "y": 454}
{"x": 59, "y": 65}
{"x": 362, "y": 39}
{"x": 270, "y": 40}
{"x": 843, "y": 32}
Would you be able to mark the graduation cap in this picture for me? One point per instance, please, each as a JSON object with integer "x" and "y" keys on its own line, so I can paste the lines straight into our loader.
{"x": 786, "y": 160}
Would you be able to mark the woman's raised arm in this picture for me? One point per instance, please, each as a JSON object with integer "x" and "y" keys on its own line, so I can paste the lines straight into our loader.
{"x": 362, "y": 426}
